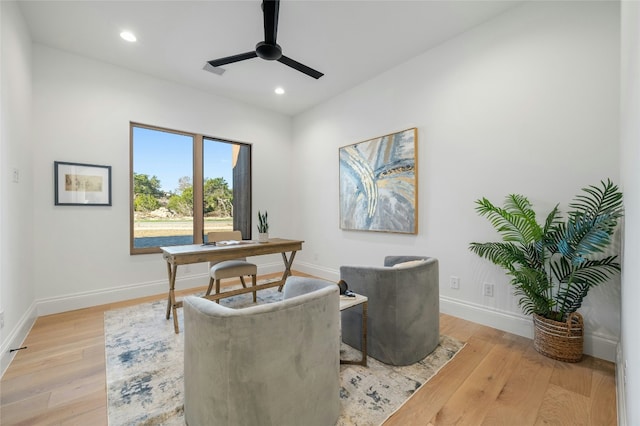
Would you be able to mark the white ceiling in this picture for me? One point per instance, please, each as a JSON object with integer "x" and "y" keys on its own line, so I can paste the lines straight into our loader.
{"x": 349, "y": 41}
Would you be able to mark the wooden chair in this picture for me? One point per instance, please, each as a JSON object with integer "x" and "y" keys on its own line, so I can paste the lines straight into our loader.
{"x": 230, "y": 268}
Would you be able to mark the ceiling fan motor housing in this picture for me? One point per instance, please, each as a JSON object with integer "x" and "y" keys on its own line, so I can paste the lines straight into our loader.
{"x": 270, "y": 52}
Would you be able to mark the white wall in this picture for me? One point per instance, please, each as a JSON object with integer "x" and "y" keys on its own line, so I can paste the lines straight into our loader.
{"x": 16, "y": 201}
{"x": 629, "y": 381}
{"x": 82, "y": 110}
{"x": 526, "y": 103}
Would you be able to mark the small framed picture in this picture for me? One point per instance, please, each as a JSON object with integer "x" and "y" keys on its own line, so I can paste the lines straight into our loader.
{"x": 78, "y": 184}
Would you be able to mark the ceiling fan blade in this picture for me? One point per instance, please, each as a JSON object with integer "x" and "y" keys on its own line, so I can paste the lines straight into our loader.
{"x": 270, "y": 9}
{"x": 300, "y": 67}
{"x": 232, "y": 59}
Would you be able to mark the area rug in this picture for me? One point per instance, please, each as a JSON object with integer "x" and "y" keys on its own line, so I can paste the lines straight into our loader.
{"x": 144, "y": 363}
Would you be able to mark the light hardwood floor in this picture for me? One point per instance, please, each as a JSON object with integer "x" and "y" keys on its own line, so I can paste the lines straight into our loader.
{"x": 496, "y": 379}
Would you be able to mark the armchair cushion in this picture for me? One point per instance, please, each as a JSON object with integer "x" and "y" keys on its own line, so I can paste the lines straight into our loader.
{"x": 409, "y": 264}
{"x": 232, "y": 269}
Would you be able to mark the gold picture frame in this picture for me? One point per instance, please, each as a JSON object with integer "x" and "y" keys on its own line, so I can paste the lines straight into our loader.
{"x": 379, "y": 184}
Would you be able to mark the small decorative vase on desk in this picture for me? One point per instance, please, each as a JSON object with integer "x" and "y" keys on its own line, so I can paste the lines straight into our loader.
{"x": 263, "y": 227}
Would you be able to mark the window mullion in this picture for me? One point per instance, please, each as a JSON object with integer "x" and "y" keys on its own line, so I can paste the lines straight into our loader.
{"x": 198, "y": 190}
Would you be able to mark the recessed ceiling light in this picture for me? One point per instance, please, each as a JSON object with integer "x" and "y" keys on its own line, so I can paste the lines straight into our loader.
{"x": 279, "y": 91}
{"x": 129, "y": 36}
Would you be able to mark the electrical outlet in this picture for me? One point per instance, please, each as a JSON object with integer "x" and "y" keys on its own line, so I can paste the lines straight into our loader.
{"x": 454, "y": 282}
{"x": 487, "y": 289}
{"x": 15, "y": 175}
{"x": 1, "y": 319}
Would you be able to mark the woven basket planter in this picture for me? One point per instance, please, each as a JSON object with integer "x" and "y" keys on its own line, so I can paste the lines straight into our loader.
{"x": 563, "y": 341}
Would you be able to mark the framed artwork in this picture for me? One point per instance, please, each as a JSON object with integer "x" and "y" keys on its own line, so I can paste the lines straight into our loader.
{"x": 78, "y": 184}
{"x": 379, "y": 184}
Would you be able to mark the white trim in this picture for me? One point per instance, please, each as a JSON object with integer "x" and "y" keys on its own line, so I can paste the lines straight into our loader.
{"x": 87, "y": 299}
{"x": 600, "y": 346}
{"x": 270, "y": 268}
{"x": 70, "y": 302}
{"x": 620, "y": 387}
{"x": 16, "y": 338}
{"x": 316, "y": 271}
{"x": 597, "y": 345}
{"x": 501, "y": 320}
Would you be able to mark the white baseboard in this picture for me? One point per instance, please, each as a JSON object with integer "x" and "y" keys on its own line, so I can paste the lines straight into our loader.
{"x": 16, "y": 338}
{"x": 316, "y": 271}
{"x": 70, "y": 302}
{"x": 83, "y": 300}
{"x": 599, "y": 346}
{"x": 620, "y": 387}
{"x": 501, "y": 320}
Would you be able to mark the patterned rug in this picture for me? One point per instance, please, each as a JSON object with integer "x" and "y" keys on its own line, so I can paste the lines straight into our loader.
{"x": 144, "y": 360}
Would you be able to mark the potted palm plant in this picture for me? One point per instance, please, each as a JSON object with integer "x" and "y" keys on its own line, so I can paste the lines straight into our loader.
{"x": 263, "y": 227}
{"x": 554, "y": 265}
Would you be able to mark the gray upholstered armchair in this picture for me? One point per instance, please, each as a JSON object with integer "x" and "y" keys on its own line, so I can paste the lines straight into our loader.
{"x": 403, "y": 317}
{"x": 273, "y": 364}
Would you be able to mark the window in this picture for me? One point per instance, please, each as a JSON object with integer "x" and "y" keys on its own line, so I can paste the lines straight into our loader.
{"x": 184, "y": 185}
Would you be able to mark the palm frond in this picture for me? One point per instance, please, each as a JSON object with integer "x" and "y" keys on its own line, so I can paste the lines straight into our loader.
{"x": 533, "y": 288}
{"x": 584, "y": 237}
{"x": 536, "y": 255}
{"x": 561, "y": 270}
{"x": 593, "y": 271}
{"x": 520, "y": 207}
{"x": 575, "y": 281}
{"x": 571, "y": 298}
{"x": 598, "y": 271}
{"x": 515, "y": 222}
{"x": 554, "y": 219}
{"x": 598, "y": 201}
{"x": 505, "y": 255}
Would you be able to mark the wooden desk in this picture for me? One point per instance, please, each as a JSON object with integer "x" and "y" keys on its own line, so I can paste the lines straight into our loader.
{"x": 198, "y": 253}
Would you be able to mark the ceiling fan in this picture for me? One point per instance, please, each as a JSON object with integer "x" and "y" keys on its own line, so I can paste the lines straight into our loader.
{"x": 268, "y": 49}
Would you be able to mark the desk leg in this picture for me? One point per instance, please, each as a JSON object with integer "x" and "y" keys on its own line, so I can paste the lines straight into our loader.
{"x": 171, "y": 302}
{"x": 287, "y": 267}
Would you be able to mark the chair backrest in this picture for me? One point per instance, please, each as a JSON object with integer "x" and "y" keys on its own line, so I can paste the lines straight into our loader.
{"x": 274, "y": 363}
{"x": 215, "y": 236}
{"x": 404, "y": 308}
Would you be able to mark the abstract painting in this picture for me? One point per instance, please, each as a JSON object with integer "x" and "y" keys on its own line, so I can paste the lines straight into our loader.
{"x": 379, "y": 184}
